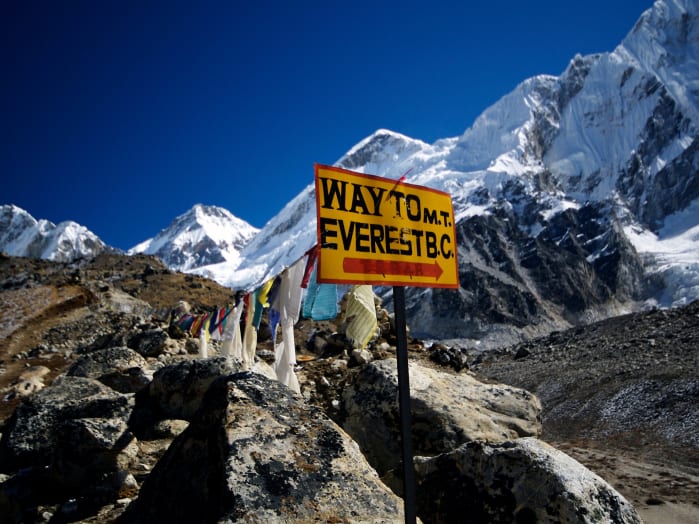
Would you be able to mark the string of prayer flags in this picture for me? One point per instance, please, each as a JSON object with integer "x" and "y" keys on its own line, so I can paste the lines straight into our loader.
{"x": 296, "y": 291}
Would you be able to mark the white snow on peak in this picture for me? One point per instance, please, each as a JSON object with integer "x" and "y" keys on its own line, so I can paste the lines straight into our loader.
{"x": 202, "y": 234}
{"x": 580, "y": 130}
{"x": 500, "y": 131}
{"x": 380, "y": 134}
{"x": 67, "y": 238}
{"x": 23, "y": 235}
{"x": 281, "y": 242}
{"x": 391, "y": 155}
{"x": 665, "y": 40}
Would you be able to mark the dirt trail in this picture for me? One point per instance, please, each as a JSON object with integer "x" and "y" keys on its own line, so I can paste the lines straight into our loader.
{"x": 25, "y": 319}
{"x": 660, "y": 493}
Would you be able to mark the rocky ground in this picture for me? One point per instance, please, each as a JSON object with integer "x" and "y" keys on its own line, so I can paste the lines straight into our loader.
{"x": 49, "y": 311}
{"x": 620, "y": 396}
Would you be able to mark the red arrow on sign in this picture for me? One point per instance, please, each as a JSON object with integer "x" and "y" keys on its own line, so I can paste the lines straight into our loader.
{"x": 368, "y": 266}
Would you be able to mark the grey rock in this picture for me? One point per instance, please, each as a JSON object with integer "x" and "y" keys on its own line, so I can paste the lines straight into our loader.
{"x": 191, "y": 346}
{"x": 361, "y": 356}
{"x": 86, "y": 449}
{"x": 120, "y": 368}
{"x": 34, "y": 432}
{"x": 447, "y": 410}
{"x": 164, "y": 429}
{"x": 525, "y": 480}
{"x": 454, "y": 357}
{"x": 66, "y": 442}
{"x": 177, "y": 390}
{"x": 150, "y": 343}
{"x": 255, "y": 452}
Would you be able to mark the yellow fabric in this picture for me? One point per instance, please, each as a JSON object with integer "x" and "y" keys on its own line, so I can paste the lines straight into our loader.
{"x": 196, "y": 326}
{"x": 360, "y": 315}
{"x": 205, "y": 327}
{"x": 264, "y": 292}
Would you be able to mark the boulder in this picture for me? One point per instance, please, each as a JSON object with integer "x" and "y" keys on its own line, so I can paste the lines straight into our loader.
{"x": 69, "y": 441}
{"x": 177, "y": 390}
{"x": 35, "y": 430}
{"x": 360, "y": 357}
{"x": 454, "y": 357}
{"x": 255, "y": 452}
{"x": 523, "y": 481}
{"x": 149, "y": 343}
{"x": 447, "y": 410}
{"x": 120, "y": 368}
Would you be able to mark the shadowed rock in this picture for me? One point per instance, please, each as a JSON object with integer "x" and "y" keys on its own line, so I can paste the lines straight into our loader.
{"x": 34, "y": 432}
{"x": 69, "y": 441}
{"x": 255, "y": 452}
{"x": 177, "y": 390}
{"x": 120, "y": 368}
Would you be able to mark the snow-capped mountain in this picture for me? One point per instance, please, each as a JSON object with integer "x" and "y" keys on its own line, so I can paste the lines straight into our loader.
{"x": 203, "y": 235}
{"x": 576, "y": 196}
{"x": 22, "y": 235}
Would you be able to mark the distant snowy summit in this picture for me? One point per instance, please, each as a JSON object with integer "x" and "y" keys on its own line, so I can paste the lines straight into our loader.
{"x": 576, "y": 196}
{"x": 22, "y": 235}
{"x": 203, "y": 235}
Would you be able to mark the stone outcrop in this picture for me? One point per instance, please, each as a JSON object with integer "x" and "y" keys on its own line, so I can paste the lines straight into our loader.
{"x": 255, "y": 452}
{"x": 523, "y": 481}
{"x": 447, "y": 410}
{"x": 149, "y": 343}
{"x": 118, "y": 429}
{"x": 33, "y": 434}
{"x": 120, "y": 368}
{"x": 177, "y": 390}
{"x": 68, "y": 441}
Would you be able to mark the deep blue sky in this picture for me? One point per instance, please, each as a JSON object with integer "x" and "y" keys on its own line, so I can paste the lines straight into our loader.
{"x": 123, "y": 115}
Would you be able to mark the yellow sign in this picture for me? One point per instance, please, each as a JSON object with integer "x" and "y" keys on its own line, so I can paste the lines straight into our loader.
{"x": 373, "y": 230}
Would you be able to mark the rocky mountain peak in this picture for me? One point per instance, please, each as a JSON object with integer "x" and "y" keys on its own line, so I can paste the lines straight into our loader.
{"x": 23, "y": 235}
{"x": 201, "y": 236}
{"x": 381, "y": 150}
{"x": 562, "y": 192}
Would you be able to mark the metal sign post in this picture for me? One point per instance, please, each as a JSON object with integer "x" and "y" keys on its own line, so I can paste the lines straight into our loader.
{"x": 404, "y": 405}
{"x": 372, "y": 230}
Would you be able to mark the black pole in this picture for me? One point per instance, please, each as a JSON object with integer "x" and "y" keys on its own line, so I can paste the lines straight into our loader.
{"x": 404, "y": 404}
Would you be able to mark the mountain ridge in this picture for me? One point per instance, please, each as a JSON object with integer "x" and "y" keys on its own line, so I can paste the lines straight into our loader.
{"x": 573, "y": 195}
{"x": 23, "y": 235}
